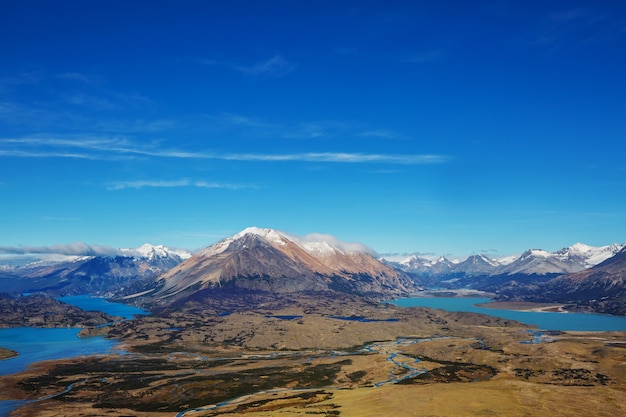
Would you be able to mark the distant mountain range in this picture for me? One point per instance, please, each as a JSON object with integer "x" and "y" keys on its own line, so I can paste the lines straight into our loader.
{"x": 267, "y": 260}
{"x": 577, "y": 257}
{"x": 601, "y": 288}
{"x": 586, "y": 277}
{"x": 102, "y": 275}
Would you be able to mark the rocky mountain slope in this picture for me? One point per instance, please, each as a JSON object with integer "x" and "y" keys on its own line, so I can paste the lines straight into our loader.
{"x": 267, "y": 260}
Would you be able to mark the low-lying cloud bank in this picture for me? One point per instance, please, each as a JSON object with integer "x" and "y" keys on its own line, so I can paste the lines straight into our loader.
{"x": 72, "y": 249}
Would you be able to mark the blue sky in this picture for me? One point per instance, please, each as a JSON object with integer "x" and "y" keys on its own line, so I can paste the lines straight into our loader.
{"x": 446, "y": 127}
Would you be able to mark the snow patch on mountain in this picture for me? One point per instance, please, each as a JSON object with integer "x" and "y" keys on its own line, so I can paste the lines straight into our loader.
{"x": 533, "y": 261}
{"x": 589, "y": 255}
{"x": 158, "y": 251}
{"x": 316, "y": 244}
{"x": 505, "y": 260}
{"x": 270, "y": 235}
{"x": 319, "y": 248}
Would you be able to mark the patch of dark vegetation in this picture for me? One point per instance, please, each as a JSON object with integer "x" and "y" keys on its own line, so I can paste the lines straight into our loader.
{"x": 321, "y": 375}
{"x": 156, "y": 347}
{"x": 201, "y": 390}
{"x": 299, "y": 400}
{"x": 439, "y": 361}
{"x": 527, "y": 373}
{"x": 454, "y": 373}
{"x": 356, "y": 376}
{"x": 477, "y": 319}
{"x": 578, "y": 377}
{"x": 160, "y": 384}
{"x": 451, "y": 372}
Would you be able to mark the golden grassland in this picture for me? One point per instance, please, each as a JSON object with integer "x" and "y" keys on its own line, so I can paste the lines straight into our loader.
{"x": 399, "y": 362}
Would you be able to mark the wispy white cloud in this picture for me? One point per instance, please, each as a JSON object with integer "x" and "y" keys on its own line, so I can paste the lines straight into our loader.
{"x": 172, "y": 184}
{"x": 75, "y": 76}
{"x": 106, "y": 100}
{"x": 306, "y": 130}
{"x": 119, "y": 147}
{"x": 343, "y": 157}
{"x": 44, "y": 154}
{"x": 233, "y": 119}
{"x": 73, "y": 249}
{"x": 275, "y": 66}
{"x": 350, "y": 247}
{"x": 381, "y": 134}
{"x": 15, "y": 80}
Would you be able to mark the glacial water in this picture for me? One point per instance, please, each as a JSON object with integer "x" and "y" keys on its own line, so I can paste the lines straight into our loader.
{"x": 36, "y": 345}
{"x": 543, "y": 320}
{"x": 90, "y": 303}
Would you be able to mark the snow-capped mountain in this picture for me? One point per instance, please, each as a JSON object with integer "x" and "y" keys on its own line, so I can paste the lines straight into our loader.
{"x": 266, "y": 259}
{"x": 159, "y": 251}
{"x": 417, "y": 264}
{"x": 477, "y": 265}
{"x": 157, "y": 258}
{"x": 588, "y": 256}
{"x": 66, "y": 275}
{"x": 601, "y": 288}
{"x": 577, "y": 257}
{"x": 574, "y": 258}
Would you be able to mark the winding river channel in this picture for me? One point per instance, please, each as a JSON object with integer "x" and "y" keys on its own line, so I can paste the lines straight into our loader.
{"x": 404, "y": 367}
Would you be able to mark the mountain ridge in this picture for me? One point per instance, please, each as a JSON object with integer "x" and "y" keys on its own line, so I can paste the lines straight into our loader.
{"x": 95, "y": 274}
{"x": 574, "y": 258}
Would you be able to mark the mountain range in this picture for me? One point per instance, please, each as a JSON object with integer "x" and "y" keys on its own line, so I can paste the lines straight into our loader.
{"x": 575, "y": 258}
{"x": 266, "y": 260}
{"x": 601, "y": 288}
{"x": 102, "y": 275}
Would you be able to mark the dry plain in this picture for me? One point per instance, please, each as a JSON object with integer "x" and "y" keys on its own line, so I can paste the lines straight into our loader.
{"x": 333, "y": 356}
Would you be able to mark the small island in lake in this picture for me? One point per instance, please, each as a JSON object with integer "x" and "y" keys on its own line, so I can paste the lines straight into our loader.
{"x": 6, "y": 353}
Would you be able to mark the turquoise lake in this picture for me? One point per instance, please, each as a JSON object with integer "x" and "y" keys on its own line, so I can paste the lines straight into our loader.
{"x": 36, "y": 345}
{"x": 89, "y": 303}
{"x": 543, "y": 320}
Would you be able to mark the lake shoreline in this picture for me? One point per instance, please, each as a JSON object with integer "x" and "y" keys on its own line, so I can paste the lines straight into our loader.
{"x": 525, "y": 306}
{"x": 546, "y": 316}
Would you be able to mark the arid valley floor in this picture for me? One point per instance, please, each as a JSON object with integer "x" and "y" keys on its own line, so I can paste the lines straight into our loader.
{"x": 330, "y": 356}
